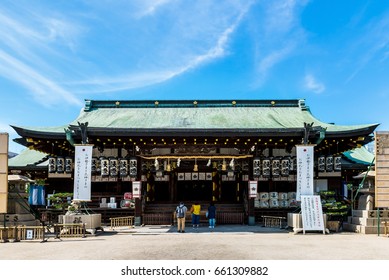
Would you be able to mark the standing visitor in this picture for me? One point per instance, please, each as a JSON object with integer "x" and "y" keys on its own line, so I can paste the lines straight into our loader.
{"x": 195, "y": 210}
{"x": 181, "y": 213}
{"x": 212, "y": 215}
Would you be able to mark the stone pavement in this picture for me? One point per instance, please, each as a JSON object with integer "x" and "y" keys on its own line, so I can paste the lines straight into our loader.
{"x": 225, "y": 242}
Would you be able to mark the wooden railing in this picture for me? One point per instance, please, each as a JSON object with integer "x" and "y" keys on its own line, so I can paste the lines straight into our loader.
{"x": 32, "y": 233}
{"x": 229, "y": 218}
{"x": 3, "y": 234}
{"x": 157, "y": 218}
{"x": 122, "y": 222}
{"x": 20, "y": 233}
{"x": 70, "y": 230}
{"x": 273, "y": 221}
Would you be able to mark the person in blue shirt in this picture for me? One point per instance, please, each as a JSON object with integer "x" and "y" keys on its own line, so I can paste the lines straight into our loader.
{"x": 212, "y": 215}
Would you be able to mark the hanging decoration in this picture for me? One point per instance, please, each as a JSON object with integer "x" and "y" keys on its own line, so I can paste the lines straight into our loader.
{"x": 60, "y": 164}
{"x": 68, "y": 165}
{"x": 133, "y": 166}
{"x": 94, "y": 166}
{"x": 266, "y": 167}
{"x": 321, "y": 163}
{"x": 285, "y": 162}
{"x": 113, "y": 167}
{"x": 276, "y": 170}
{"x": 123, "y": 167}
{"x": 52, "y": 165}
{"x": 329, "y": 163}
{"x": 104, "y": 163}
{"x": 338, "y": 163}
{"x": 256, "y": 167}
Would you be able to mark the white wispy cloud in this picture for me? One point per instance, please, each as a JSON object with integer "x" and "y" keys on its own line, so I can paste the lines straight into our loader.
{"x": 312, "y": 84}
{"x": 47, "y": 52}
{"x": 375, "y": 41}
{"x": 29, "y": 53}
{"x": 278, "y": 37}
{"x": 149, "y": 7}
{"x": 219, "y": 49}
{"x": 269, "y": 61}
{"x": 179, "y": 54}
{"x": 105, "y": 84}
{"x": 43, "y": 89}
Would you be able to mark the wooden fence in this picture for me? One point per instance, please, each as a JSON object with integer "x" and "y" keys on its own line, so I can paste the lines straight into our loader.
{"x": 122, "y": 222}
{"x": 158, "y": 219}
{"x": 21, "y": 233}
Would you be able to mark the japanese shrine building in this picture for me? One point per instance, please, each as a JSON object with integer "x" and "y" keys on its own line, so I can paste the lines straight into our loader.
{"x": 204, "y": 150}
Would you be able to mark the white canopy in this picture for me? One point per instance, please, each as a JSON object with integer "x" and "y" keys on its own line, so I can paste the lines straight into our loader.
{"x": 370, "y": 174}
{"x": 18, "y": 178}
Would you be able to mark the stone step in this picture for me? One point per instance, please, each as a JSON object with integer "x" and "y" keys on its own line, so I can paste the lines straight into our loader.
{"x": 362, "y": 229}
{"x": 367, "y": 221}
{"x": 17, "y": 217}
{"x": 370, "y": 213}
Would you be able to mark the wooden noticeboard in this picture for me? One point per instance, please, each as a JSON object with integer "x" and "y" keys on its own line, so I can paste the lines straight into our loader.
{"x": 382, "y": 169}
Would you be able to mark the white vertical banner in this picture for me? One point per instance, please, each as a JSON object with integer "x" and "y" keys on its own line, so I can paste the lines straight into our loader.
{"x": 136, "y": 189}
{"x": 82, "y": 172}
{"x": 312, "y": 213}
{"x": 253, "y": 189}
{"x": 305, "y": 160}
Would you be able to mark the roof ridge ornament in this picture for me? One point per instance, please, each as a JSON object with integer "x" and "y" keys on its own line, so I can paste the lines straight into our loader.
{"x": 307, "y": 130}
{"x": 83, "y": 128}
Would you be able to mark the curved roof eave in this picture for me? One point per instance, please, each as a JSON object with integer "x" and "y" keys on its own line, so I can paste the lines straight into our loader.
{"x": 257, "y": 116}
{"x": 48, "y": 132}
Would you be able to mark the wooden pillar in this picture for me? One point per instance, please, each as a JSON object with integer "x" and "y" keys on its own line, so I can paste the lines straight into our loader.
{"x": 172, "y": 187}
{"x": 138, "y": 211}
{"x": 251, "y": 212}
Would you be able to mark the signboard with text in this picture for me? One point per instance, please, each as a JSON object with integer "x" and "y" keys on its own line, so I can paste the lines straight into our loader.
{"x": 82, "y": 172}
{"x": 304, "y": 177}
{"x": 312, "y": 213}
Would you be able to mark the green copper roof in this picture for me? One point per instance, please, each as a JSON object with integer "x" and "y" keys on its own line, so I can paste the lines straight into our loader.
{"x": 26, "y": 157}
{"x": 275, "y": 115}
{"x": 246, "y": 114}
{"x": 360, "y": 155}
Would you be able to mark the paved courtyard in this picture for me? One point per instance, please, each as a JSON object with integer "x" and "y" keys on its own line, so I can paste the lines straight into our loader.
{"x": 224, "y": 243}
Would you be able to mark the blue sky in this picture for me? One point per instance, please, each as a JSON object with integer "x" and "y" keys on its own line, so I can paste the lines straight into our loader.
{"x": 56, "y": 54}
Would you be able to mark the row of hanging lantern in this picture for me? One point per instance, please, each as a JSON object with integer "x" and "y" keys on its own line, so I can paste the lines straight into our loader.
{"x": 329, "y": 163}
{"x": 266, "y": 167}
{"x": 60, "y": 165}
{"x": 114, "y": 167}
{"x": 277, "y": 166}
{"x": 283, "y": 166}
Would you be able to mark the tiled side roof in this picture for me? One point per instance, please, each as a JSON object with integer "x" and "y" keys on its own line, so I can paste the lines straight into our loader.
{"x": 360, "y": 156}
{"x": 26, "y": 157}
